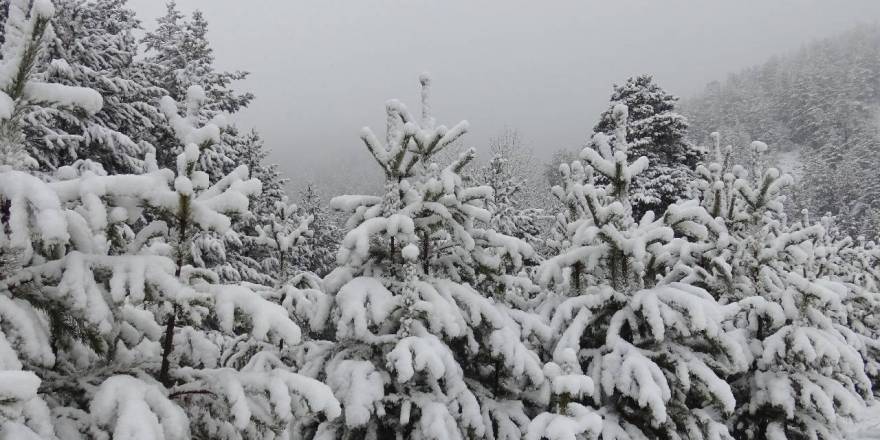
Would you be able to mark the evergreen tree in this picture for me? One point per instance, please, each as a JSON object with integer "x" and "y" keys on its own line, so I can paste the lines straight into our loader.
{"x": 318, "y": 253}
{"x": 854, "y": 262}
{"x": 636, "y": 354}
{"x": 655, "y": 131}
{"x": 243, "y": 254}
{"x": 283, "y": 237}
{"x": 250, "y": 150}
{"x": 509, "y": 215}
{"x": 83, "y": 352}
{"x": 551, "y": 168}
{"x": 23, "y": 88}
{"x": 520, "y": 165}
{"x": 805, "y": 377}
{"x": 178, "y": 56}
{"x": 93, "y": 46}
{"x": 417, "y": 352}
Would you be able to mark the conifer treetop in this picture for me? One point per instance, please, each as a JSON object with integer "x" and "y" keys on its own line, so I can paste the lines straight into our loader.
{"x": 409, "y": 142}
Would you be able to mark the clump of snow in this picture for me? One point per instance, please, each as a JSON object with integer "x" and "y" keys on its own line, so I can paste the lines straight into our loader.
{"x": 759, "y": 146}
{"x": 84, "y": 98}
{"x": 410, "y": 252}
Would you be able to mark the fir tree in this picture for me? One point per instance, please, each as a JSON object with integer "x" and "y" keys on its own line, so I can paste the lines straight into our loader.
{"x": 318, "y": 253}
{"x": 656, "y": 131}
{"x": 179, "y": 56}
{"x": 509, "y": 215}
{"x": 93, "y": 46}
{"x": 242, "y": 254}
{"x": 95, "y": 262}
{"x": 417, "y": 352}
{"x": 22, "y": 86}
{"x": 638, "y": 354}
{"x": 805, "y": 377}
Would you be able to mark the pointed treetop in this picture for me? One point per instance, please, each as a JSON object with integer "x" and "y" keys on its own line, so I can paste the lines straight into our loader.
{"x": 410, "y": 143}
{"x": 427, "y": 118}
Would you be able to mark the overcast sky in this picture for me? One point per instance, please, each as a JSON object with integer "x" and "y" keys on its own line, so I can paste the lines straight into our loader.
{"x": 322, "y": 69}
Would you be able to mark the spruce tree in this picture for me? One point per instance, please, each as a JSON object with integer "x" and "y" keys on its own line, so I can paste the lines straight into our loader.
{"x": 24, "y": 89}
{"x": 95, "y": 264}
{"x": 93, "y": 45}
{"x": 637, "y": 354}
{"x": 417, "y": 352}
{"x": 655, "y": 130}
{"x": 510, "y": 216}
{"x": 318, "y": 254}
{"x": 805, "y": 377}
{"x": 178, "y": 56}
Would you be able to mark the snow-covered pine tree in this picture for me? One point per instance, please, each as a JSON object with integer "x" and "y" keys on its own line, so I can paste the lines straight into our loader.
{"x": 551, "y": 167}
{"x": 509, "y": 215}
{"x": 855, "y": 263}
{"x": 247, "y": 369}
{"x": 521, "y": 161}
{"x": 89, "y": 282}
{"x": 418, "y": 353}
{"x": 24, "y": 29}
{"x": 93, "y": 45}
{"x": 805, "y": 375}
{"x": 636, "y": 355}
{"x": 250, "y": 150}
{"x": 240, "y": 254}
{"x": 657, "y": 132}
{"x": 24, "y": 339}
{"x": 178, "y": 56}
{"x": 283, "y": 234}
{"x": 318, "y": 253}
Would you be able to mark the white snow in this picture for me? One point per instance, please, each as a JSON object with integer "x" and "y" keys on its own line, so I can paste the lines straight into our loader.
{"x": 82, "y": 97}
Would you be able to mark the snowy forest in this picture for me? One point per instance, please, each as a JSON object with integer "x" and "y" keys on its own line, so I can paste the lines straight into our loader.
{"x": 702, "y": 269}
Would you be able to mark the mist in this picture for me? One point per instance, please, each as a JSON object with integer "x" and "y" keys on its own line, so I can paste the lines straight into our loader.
{"x": 322, "y": 70}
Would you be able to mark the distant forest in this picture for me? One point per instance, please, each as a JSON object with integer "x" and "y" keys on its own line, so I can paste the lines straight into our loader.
{"x": 819, "y": 110}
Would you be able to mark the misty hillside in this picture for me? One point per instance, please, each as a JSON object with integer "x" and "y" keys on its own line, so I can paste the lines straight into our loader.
{"x": 818, "y": 110}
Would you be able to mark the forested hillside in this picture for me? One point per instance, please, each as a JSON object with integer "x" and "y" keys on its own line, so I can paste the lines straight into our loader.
{"x": 819, "y": 110}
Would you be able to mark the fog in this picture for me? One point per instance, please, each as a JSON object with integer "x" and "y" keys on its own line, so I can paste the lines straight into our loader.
{"x": 321, "y": 70}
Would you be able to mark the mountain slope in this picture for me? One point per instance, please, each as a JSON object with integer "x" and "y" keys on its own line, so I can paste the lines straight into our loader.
{"x": 819, "y": 109}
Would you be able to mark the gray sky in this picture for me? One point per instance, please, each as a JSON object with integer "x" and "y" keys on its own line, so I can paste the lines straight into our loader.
{"x": 322, "y": 69}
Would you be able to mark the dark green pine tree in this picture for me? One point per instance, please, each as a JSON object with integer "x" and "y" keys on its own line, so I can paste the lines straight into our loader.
{"x": 93, "y": 45}
{"x": 654, "y": 130}
{"x": 245, "y": 253}
{"x": 178, "y": 57}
